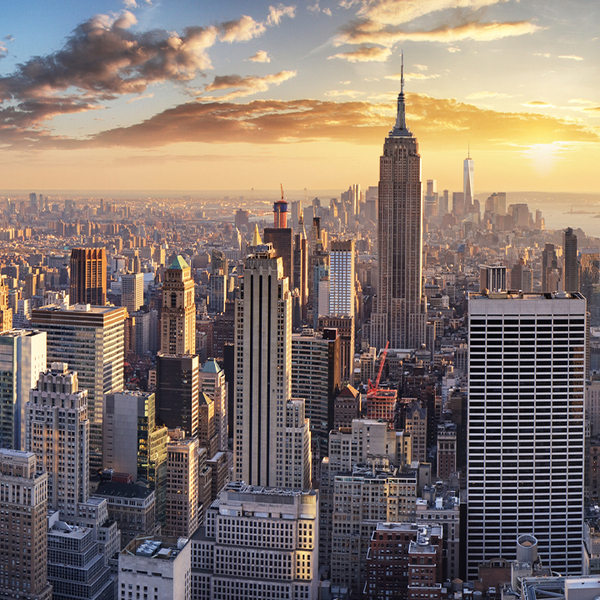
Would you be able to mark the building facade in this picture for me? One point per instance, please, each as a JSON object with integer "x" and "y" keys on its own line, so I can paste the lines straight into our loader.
{"x": 58, "y": 432}
{"x": 24, "y": 537}
{"x": 88, "y": 276}
{"x": 276, "y": 555}
{"x": 91, "y": 340}
{"x": 400, "y": 313}
{"x": 22, "y": 359}
{"x": 263, "y": 349}
{"x": 178, "y": 314}
{"x": 526, "y": 426}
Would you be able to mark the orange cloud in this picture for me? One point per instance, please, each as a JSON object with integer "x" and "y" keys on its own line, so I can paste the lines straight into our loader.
{"x": 365, "y": 54}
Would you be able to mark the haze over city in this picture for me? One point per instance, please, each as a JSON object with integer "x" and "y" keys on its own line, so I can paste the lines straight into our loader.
{"x": 140, "y": 95}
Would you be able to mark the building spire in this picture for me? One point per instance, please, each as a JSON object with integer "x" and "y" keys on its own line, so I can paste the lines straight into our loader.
{"x": 400, "y": 129}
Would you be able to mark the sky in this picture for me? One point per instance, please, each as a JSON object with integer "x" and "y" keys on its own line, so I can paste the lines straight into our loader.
{"x": 235, "y": 95}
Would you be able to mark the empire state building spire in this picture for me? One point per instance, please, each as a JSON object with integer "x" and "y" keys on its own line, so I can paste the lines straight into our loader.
{"x": 400, "y": 129}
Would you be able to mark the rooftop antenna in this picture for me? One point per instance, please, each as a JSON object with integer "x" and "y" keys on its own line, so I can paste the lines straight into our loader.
{"x": 402, "y": 73}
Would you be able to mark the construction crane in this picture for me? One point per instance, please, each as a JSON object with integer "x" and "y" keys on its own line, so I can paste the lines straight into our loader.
{"x": 372, "y": 389}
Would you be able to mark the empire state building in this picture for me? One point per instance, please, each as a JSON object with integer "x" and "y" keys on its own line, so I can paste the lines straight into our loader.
{"x": 400, "y": 313}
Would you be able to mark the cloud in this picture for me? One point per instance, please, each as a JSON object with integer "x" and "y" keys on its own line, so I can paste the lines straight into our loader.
{"x": 327, "y": 11}
{"x": 395, "y": 12}
{"x": 420, "y": 67}
{"x": 240, "y": 30}
{"x": 3, "y": 50}
{"x": 142, "y": 97}
{"x": 130, "y": 4}
{"x": 261, "y": 57}
{"x": 540, "y": 103}
{"x": 570, "y": 57}
{"x": 371, "y": 33}
{"x": 365, "y": 54}
{"x": 244, "y": 86}
{"x": 544, "y": 54}
{"x": 344, "y": 93}
{"x": 453, "y": 49}
{"x": 486, "y": 95}
{"x": 439, "y": 124}
{"x": 276, "y": 13}
{"x": 314, "y": 8}
{"x": 103, "y": 59}
{"x": 412, "y": 76}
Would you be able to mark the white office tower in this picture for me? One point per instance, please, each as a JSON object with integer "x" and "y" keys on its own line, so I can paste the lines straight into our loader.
{"x": 58, "y": 432}
{"x": 22, "y": 359}
{"x": 258, "y": 544}
{"x": 526, "y": 426}
{"x": 342, "y": 295}
{"x": 132, "y": 291}
{"x": 468, "y": 182}
{"x": 263, "y": 371}
{"x": 212, "y": 383}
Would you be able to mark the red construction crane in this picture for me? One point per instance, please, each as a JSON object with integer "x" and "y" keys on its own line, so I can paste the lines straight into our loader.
{"x": 372, "y": 389}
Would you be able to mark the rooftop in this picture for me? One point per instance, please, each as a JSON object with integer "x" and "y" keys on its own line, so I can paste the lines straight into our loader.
{"x": 179, "y": 263}
{"x": 123, "y": 490}
{"x": 211, "y": 366}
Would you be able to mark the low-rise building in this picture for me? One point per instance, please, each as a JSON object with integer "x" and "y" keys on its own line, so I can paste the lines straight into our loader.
{"x": 258, "y": 543}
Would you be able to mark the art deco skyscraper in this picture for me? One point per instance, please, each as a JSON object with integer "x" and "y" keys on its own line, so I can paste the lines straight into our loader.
{"x": 58, "y": 433}
{"x": 526, "y": 426}
{"x": 88, "y": 276}
{"x": 400, "y": 313}
{"x": 178, "y": 317}
{"x": 263, "y": 369}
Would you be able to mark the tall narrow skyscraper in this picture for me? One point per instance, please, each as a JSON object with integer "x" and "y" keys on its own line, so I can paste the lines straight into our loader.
{"x": 400, "y": 313}
{"x": 526, "y": 426}
{"x": 88, "y": 276}
{"x": 178, "y": 317}
{"x": 468, "y": 182}
{"x": 263, "y": 366}
{"x": 571, "y": 263}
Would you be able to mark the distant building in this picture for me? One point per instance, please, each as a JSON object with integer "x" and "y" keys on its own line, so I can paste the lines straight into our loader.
{"x": 132, "y": 291}
{"x": 88, "y": 276}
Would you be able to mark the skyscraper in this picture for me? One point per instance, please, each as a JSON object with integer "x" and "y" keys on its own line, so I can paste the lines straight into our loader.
{"x": 22, "y": 359}
{"x": 23, "y": 537}
{"x": 342, "y": 294}
{"x": 91, "y": 340}
{"x": 58, "y": 433}
{"x": 6, "y": 313}
{"x": 400, "y": 314}
{"x": 178, "y": 317}
{"x": 468, "y": 182}
{"x": 219, "y": 273}
{"x": 571, "y": 264}
{"x": 132, "y": 291}
{"x": 526, "y": 426}
{"x": 263, "y": 352}
{"x": 88, "y": 276}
